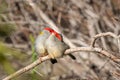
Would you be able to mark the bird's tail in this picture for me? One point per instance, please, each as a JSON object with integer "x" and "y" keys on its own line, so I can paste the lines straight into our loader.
{"x": 53, "y": 61}
{"x": 73, "y": 57}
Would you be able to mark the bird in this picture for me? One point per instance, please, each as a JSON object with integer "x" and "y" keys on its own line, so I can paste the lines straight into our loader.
{"x": 60, "y": 37}
{"x": 40, "y": 48}
{"x": 56, "y": 46}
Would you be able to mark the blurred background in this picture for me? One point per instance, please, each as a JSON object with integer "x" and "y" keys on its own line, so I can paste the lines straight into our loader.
{"x": 78, "y": 20}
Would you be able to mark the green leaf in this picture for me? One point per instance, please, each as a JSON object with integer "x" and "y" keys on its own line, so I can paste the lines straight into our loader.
{"x": 34, "y": 55}
{"x": 32, "y": 39}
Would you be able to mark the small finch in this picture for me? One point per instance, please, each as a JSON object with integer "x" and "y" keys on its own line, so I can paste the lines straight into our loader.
{"x": 40, "y": 43}
{"x": 55, "y": 46}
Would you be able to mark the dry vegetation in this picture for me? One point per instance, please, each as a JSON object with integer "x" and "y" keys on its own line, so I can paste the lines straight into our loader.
{"x": 79, "y": 21}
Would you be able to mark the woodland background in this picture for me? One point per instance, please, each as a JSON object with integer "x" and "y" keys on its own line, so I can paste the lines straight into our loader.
{"x": 78, "y": 20}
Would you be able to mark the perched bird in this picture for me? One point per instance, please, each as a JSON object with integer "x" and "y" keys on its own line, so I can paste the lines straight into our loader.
{"x": 40, "y": 43}
{"x": 60, "y": 37}
{"x": 55, "y": 46}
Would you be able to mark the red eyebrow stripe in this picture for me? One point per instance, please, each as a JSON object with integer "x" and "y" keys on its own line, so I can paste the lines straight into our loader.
{"x": 52, "y": 31}
{"x": 49, "y": 29}
{"x": 57, "y": 35}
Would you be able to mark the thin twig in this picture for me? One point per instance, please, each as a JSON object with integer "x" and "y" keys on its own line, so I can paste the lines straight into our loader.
{"x": 102, "y": 35}
{"x": 118, "y": 40}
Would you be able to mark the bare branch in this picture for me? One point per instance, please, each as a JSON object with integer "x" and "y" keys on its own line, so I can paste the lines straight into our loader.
{"x": 27, "y": 68}
{"x": 42, "y": 59}
{"x": 102, "y": 35}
